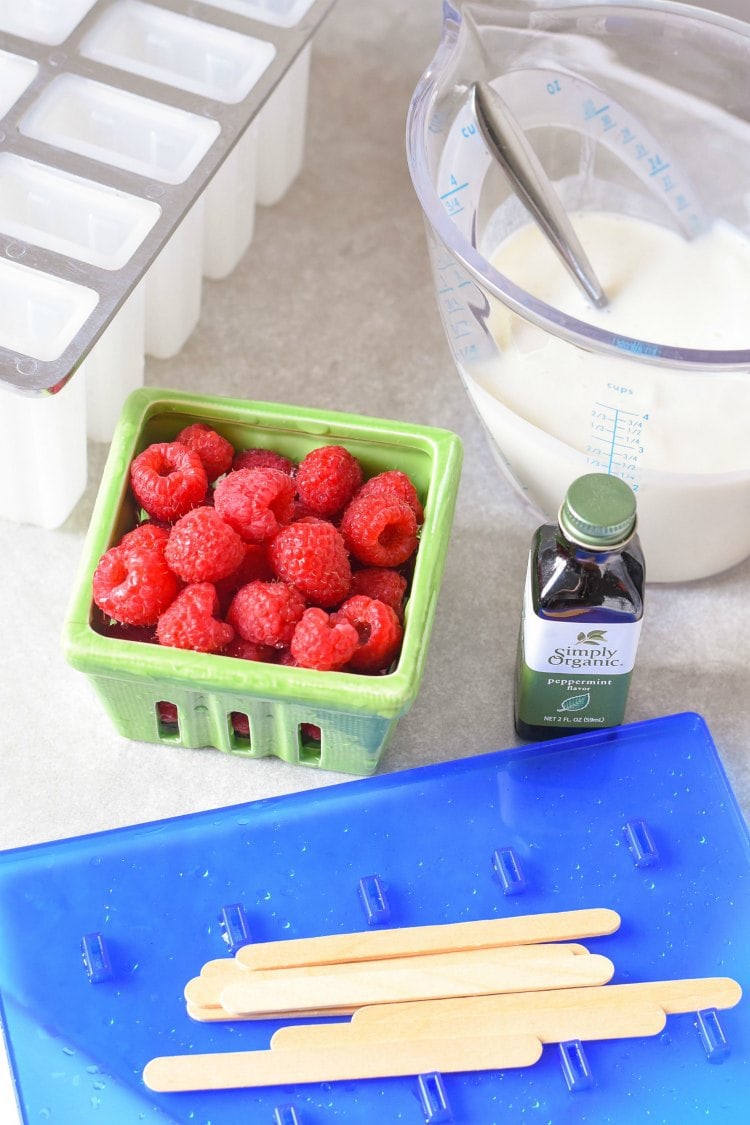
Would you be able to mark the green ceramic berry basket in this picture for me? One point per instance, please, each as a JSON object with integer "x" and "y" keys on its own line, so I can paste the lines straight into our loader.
{"x": 356, "y": 714}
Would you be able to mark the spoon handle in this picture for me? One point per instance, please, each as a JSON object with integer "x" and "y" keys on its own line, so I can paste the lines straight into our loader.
{"x": 508, "y": 144}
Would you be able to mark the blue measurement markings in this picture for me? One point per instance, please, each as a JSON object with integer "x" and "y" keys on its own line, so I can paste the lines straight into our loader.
{"x": 617, "y": 441}
{"x": 626, "y": 135}
{"x": 451, "y": 199}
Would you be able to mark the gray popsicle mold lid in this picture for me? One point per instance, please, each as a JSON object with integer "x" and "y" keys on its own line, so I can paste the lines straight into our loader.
{"x": 124, "y": 111}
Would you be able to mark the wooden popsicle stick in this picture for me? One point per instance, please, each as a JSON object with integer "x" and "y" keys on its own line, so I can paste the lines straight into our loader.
{"x": 624, "y": 1020}
{"x": 264, "y": 993}
{"x": 222, "y": 966}
{"x": 528, "y": 929}
{"x": 672, "y": 996}
{"x": 205, "y": 990}
{"x": 218, "y": 1015}
{"x": 242, "y": 1069}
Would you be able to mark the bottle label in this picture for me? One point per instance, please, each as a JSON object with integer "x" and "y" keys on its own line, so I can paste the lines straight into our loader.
{"x": 572, "y": 674}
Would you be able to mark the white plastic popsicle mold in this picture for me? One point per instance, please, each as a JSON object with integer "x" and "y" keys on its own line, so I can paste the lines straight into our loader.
{"x": 137, "y": 137}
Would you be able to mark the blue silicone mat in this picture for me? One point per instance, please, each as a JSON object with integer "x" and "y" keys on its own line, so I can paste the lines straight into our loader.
{"x": 640, "y": 819}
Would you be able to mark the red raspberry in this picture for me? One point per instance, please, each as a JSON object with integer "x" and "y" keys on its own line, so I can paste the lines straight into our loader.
{"x": 327, "y": 478}
{"x": 240, "y": 724}
{"x": 323, "y": 643}
{"x": 190, "y": 622}
{"x": 394, "y": 483}
{"x": 202, "y": 547}
{"x": 262, "y": 459}
{"x": 379, "y": 531}
{"x": 310, "y": 554}
{"x": 168, "y": 479}
{"x": 168, "y": 713}
{"x": 254, "y": 565}
{"x": 378, "y": 629}
{"x": 146, "y": 534}
{"x": 133, "y": 584}
{"x": 266, "y": 613}
{"x": 382, "y": 583}
{"x": 255, "y": 502}
{"x": 215, "y": 452}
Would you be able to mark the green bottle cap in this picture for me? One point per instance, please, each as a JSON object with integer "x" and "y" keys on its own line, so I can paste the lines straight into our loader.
{"x": 598, "y": 511}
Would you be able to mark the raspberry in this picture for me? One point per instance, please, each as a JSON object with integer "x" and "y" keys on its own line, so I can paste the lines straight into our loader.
{"x": 379, "y": 531}
{"x": 254, "y": 565}
{"x": 215, "y": 452}
{"x": 168, "y": 713}
{"x": 266, "y": 613}
{"x": 310, "y": 554}
{"x": 394, "y": 483}
{"x": 262, "y": 459}
{"x": 240, "y": 724}
{"x": 327, "y": 478}
{"x": 378, "y": 629}
{"x": 255, "y": 502}
{"x": 382, "y": 583}
{"x": 146, "y": 534}
{"x": 190, "y": 622}
{"x": 202, "y": 547}
{"x": 323, "y": 643}
{"x": 133, "y": 584}
{"x": 168, "y": 479}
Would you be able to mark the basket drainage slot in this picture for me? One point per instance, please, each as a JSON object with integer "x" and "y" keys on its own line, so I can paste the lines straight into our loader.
{"x": 168, "y": 720}
{"x": 239, "y": 728}
{"x": 310, "y": 743}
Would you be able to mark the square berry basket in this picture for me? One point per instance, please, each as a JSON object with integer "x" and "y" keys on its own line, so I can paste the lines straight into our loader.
{"x": 214, "y": 697}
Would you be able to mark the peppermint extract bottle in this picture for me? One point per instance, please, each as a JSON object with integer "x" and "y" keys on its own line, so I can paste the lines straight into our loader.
{"x": 582, "y": 612}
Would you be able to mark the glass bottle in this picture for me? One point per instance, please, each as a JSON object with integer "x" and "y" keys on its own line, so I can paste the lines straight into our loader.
{"x": 582, "y": 611}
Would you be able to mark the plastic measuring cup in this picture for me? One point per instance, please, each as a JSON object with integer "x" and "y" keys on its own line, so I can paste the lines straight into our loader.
{"x": 640, "y": 109}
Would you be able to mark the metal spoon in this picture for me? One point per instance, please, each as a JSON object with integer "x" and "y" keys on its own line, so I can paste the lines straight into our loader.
{"x": 508, "y": 144}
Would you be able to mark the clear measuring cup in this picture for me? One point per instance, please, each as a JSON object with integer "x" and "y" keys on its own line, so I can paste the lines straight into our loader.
{"x": 639, "y": 109}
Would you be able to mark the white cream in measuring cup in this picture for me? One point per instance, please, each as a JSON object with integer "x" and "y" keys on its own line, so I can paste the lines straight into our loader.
{"x": 553, "y": 408}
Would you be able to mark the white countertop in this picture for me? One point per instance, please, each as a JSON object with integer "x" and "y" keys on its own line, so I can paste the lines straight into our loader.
{"x": 333, "y": 307}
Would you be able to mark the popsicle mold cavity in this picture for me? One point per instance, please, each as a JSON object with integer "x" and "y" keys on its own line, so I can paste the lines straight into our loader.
{"x": 168, "y": 47}
{"x": 72, "y": 216}
{"x": 40, "y": 314}
{"x": 282, "y": 13}
{"x": 44, "y": 21}
{"x": 16, "y": 73}
{"x": 119, "y": 128}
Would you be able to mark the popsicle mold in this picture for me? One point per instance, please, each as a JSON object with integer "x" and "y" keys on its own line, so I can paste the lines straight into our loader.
{"x": 138, "y": 137}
